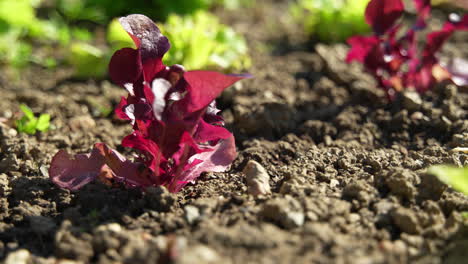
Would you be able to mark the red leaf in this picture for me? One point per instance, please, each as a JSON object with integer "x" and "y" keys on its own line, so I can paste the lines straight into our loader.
{"x": 361, "y": 46}
{"x": 146, "y": 146}
{"x": 125, "y": 66}
{"x": 151, "y": 43}
{"x": 422, "y": 5}
{"x": 204, "y": 87}
{"x": 146, "y": 35}
{"x": 436, "y": 39}
{"x": 382, "y": 14}
{"x": 120, "y": 109}
{"x": 207, "y": 132}
{"x": 216, "y": 160}
{"x": 74, "y": 172}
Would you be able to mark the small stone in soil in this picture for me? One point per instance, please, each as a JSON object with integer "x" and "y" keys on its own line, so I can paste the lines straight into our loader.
{"x": 411, "y": 100}
{"x": 21, "y": 256}
{"x": 192, "y": 214}
{"x": 199, "y": 254}
{"x": 257, "y": 178}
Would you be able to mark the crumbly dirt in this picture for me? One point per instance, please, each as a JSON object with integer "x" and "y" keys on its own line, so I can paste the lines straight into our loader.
{"x": 347, "y": 181}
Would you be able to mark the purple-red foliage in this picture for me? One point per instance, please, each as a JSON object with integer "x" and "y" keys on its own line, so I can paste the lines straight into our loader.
{"x": 395, "y": 59}
{"x": 176, "y": 127}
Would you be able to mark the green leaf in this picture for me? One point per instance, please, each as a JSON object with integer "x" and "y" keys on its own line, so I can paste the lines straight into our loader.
{"x": 28, "y": 113}
{"x": 30, "y": 124}
{"x": 43, "y": 122}
{"x": 30, "y": 127}
{"x": 455, "y": 177}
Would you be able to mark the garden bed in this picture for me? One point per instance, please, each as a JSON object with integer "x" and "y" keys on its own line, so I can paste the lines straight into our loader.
{"x": 347, "y": 168}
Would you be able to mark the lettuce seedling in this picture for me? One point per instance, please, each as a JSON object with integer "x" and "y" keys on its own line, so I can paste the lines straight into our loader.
{"x": 177, "y": 131}
{"x": 201, "y": 41}
{"x": 457, "y": 178}
{"x": 396, "y": 60}
{"x": 30, "y": 124}
{"x": 331, "y": 20}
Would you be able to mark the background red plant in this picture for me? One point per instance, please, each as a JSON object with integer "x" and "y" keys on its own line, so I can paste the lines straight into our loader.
{"x": 394, "y": 58}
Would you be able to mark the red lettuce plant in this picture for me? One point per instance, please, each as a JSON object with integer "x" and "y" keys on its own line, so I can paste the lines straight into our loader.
{"x": 176, "y": 127}
{"x": 394, "y": 58}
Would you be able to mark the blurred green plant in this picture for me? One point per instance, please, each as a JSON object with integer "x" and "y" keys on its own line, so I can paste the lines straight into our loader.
{"x": 234, "y": 4}
{"x": 201, "y": 41}
{"x": 64, "y": 36}
{"x": 101, "y": 11}
{"x": 20, "y": 29}
{"x": 17, "y": 21}
{"x": 87, "y": 60}
{"x": 331, "y": 20}
{"x": 197, "y": 41}
{"x": 30, "y": 124}
{"x": 455, "y": 177}
{"x": 91, "y": 61}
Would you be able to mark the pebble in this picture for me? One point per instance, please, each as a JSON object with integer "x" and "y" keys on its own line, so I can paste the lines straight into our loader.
{"x": 411, "y": 100}
{"x": 67, "y": 261}
{"x": 200, "y": 254}
{"x": 334, "y": 183}
{"x": 353, "y": 218}
{"x": 399, "y": 246}
{"x": 257, "y": 178}
{"x": 459, "y": 149}
{"x": 12, "y": 132}
{"x": 192, "y": 214}
{"x": 294, "y": 219}
{"x": 20, "y": 256}
{"x": 44, "y": 171}
{"x": 109, "y": 228}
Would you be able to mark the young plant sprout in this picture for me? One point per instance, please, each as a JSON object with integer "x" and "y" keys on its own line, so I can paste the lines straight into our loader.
{"x": 30, "y": 124}
{"x": 394, "y": 58}
{"x": 176, "y": 127}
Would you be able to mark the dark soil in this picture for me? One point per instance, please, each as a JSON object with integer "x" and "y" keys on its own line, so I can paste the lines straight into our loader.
{"x": 346, "y": 169}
